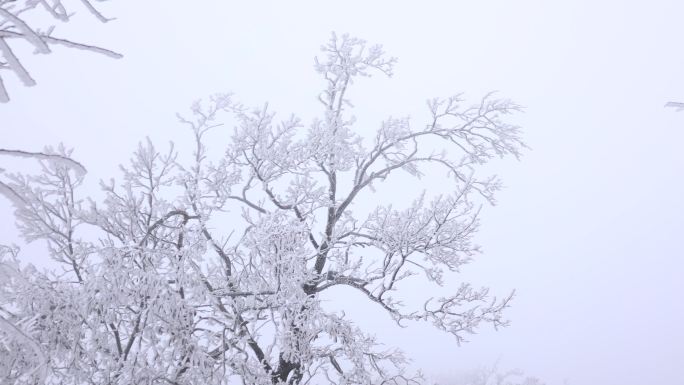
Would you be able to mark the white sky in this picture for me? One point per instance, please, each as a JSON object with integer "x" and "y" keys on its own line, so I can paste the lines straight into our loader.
{"x": 590, "y": 229}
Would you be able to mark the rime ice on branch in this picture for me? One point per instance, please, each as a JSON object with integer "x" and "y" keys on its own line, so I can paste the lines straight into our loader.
{"x": 168, "y": 294}
{"x": 15, "y": 29}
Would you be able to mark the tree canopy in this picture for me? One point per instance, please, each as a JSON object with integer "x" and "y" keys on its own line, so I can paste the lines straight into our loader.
{"x": 211, "y": 271}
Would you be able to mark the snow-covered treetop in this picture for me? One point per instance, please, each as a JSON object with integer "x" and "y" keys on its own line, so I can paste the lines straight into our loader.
{"x": 212, "y": 271}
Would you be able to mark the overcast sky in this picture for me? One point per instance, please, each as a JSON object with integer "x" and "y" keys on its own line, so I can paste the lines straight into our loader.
{"x": 590, "y": 227}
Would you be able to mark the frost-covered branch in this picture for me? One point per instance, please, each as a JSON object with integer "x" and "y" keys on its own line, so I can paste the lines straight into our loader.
{"x": 677, "y": 105}
{"x": 24, "y": 359}
{"x": 200, "y": 269}
{"x": 493, "y": 376}
{"x": 16, "y": 29}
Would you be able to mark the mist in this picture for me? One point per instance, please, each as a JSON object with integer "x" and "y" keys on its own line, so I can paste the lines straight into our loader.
{"x": 588, "y": 229}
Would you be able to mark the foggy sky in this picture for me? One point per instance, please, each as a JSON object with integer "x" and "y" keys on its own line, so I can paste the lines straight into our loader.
{"x": 590, "y": 227}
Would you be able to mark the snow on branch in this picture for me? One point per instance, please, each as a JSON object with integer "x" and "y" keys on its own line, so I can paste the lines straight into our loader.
{"x": 49, "y": 154}
{"x": 677, "y": 105}
{"x": 206, "y": 269}
{"x": 15, "y": 28}
{"x": 18, "y": 346}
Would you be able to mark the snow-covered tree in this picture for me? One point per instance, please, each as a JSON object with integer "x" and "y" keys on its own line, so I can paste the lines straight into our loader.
{"x": 211, "y": 271}
{"x": 23, "y": 22}
{"x": 493, "y": 376}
